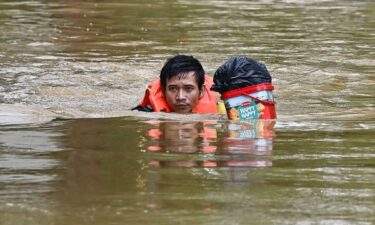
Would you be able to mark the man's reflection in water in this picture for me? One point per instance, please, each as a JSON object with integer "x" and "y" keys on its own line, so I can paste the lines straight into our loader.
{"x": 182, "y": 137}
{"x": 225, "y": 144}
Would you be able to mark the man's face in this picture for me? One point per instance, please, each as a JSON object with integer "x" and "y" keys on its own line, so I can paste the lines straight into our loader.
{"x": 182, "y": 93}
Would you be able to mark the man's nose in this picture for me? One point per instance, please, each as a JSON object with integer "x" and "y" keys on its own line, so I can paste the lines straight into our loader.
{"x": 180, "y": 94}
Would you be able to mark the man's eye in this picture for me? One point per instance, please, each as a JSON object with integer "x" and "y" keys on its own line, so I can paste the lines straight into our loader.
{"x": 189, "y": 88}
{"x": 172, "y": 89}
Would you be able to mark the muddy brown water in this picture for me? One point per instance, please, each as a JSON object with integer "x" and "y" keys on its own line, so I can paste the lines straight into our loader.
{"x": 71, "y": 151}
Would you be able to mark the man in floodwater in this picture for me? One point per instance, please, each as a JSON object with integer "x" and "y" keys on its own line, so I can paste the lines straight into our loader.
{"x": 183, "y": 87}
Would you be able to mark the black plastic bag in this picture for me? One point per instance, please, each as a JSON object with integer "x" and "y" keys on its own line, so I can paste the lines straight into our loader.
{"x": 238, "y": 72}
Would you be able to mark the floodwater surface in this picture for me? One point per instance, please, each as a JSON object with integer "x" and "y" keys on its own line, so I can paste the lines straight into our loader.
{"x": 72, "y": 152}
{"x": 131, "y": 171}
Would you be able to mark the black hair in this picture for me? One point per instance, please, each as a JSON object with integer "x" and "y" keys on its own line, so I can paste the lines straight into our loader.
{"x": 180, "y": 65}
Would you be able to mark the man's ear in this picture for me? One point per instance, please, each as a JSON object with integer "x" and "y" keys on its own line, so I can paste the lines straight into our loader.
{"x": 201, "y": 92}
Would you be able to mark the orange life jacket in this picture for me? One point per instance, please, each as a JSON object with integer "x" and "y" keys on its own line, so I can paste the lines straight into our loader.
{"x": 154, "y": 97}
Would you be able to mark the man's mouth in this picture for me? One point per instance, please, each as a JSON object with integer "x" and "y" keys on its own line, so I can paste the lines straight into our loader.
{"x": 182, "y": 106}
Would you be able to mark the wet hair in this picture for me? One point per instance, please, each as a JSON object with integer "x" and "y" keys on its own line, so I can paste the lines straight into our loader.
{"x": 181, "y": 65}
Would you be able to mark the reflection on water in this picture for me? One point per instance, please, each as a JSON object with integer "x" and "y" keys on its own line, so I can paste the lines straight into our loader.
{"x": 28, "y": 172}
{"x": 240, "y": 143}
{"x": 23, "y": 152}
{"x": 181, "y": 137}
{"x": 129, "y": 171}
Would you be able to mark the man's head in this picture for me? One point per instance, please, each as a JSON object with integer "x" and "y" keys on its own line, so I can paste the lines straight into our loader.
{"x": 182, "y": 80}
